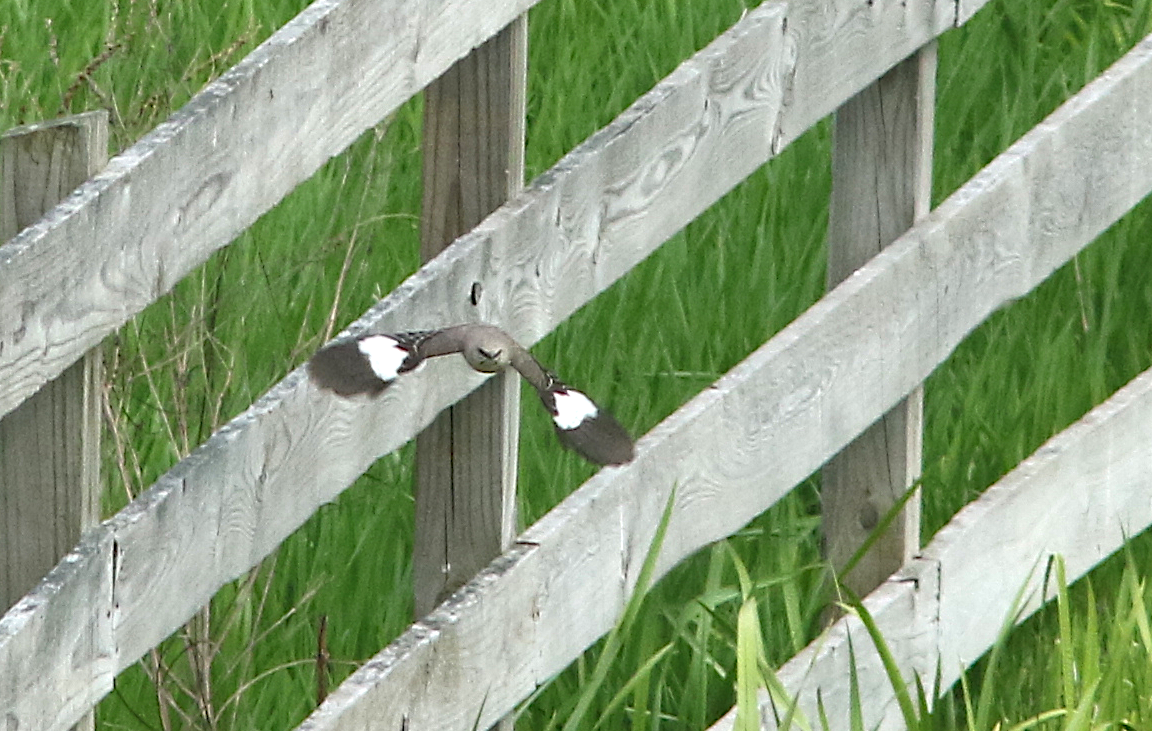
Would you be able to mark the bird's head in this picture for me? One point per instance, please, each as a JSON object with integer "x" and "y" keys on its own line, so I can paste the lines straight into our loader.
{"x": 487, "y": 358}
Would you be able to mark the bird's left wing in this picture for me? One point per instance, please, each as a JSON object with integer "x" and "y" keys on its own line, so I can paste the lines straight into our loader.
{"x": 581, "y": 425}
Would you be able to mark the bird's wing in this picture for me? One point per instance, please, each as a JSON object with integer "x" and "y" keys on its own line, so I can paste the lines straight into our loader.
{"x": 581, "y": 425}
{"x": 369, "y": 363}
{"x": 587, "y": 429}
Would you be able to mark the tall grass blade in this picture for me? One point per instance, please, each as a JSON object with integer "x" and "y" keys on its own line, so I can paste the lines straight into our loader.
{"x": 1081, "y": 718}
{"x": 1067, "y": 642}
{"x": 792, "y": 713}
{"x": 642, "y": 674}
{"x": 748, "y": 681}
{"x": 1039, "y": 719}
{"x": 891, "y": 669}
{"x": 880, "y": 529}
{"x": 988, "y": 693}
{"x": 1090, "y": 662}
{"x": 590, "y": 688}
{"x": 855, "y": 707}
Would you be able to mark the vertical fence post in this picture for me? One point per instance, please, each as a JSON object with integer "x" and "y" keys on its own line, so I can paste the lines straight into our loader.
{"x": 466, "y": 459}
{"x": 50, "y": 444}
{"x": 881, "y": 183}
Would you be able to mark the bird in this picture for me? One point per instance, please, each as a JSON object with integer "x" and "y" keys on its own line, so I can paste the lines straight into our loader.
{"x": 369, "y": 363}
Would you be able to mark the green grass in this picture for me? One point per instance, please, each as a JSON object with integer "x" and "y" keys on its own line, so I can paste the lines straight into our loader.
{"x": 687, "y": 314}
{"x": 1094, "y": 672}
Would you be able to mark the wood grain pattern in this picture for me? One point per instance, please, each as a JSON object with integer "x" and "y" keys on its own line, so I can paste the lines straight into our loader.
{"x": 1080, "y": 496}
{"x": 841, "y": 44}
{"x": 311, "y": 88}
{"x": 608, "y": 204}
{"x": 203, "y": 176}
{"x": 42, "y": 163}
{"x": 881, "y": 184}
{"x": 232, "y": 501}
{"x": 50, "y": 444}
{"x": 738, "y": 447}
{"x": 466, "y": 459}
{"x": 57, "y": 652}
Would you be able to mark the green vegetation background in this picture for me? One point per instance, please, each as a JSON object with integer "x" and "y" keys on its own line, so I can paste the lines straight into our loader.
{"x": 690, "y": 312}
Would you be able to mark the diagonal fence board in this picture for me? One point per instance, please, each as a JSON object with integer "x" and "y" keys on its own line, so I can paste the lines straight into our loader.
{"x": 228, "y": 505}
{"x": 720, "y": 116}
{"x": 904, "y": 608}
{"x": 738, "y": 447}
{"x": 220, "y": 511}
{"x": 203, "y": 176}
{"x": 311, "y": 88}
{"x": 1080, "y": 496}
{"x": 606, "y": 206}
{"x": 62, "y": 632}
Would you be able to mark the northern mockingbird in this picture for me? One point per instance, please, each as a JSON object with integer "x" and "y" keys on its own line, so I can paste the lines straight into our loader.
{"x": 369, "y": 363}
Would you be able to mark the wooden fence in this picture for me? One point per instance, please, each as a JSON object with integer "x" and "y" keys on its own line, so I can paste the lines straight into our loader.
{"x": 732, "y": 452}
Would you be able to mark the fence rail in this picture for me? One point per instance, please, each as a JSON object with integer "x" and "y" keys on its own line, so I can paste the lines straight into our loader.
{"x": 740, "y": 446}
{"x": 1080, "y": 496}
{"x": 767, "y": 424}
{"x": 311, "y": 89}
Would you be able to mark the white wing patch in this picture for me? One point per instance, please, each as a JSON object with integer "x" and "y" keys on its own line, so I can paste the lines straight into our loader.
{"x": 384, "y": 354}
{"x": 573, "y": 409}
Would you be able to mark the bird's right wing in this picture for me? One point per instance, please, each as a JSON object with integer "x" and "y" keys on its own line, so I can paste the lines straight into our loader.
{"x": 369, "y": 363}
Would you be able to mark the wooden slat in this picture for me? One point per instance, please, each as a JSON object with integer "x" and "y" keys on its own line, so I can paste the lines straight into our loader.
{"x": 1081, "y": 496}
{"x": 465, "y": 511}
{"x": 602, "y": 209}
{"x": 43, "y": 163}
{"x": 232, "y": 501}
{"x": 202, "y": 177}
{"x": 307, "y": 92}
{"x": 881, "y": 184}
{"x": 50, "y": 445}
{"x": 739, "y": 446}
{"x": 839, "y": 48}
{"x": 57, "y": 652}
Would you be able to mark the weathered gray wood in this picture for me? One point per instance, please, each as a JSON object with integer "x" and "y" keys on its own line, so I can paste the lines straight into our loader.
{"x": 50, "y": 444}
{"x": 839, "y": 44}
{"x": 42, "y": 163}
{"x": 881, "y": 184}
{"x": 608, "y": 204}
{"x": 738, "y": 447}
{"x": 965, "y": 9}
{"x": 466, "y": 459}
{"x": 305, "y": 94}
{"x": 236, "y": 497}
{"x": 203, "y": 176}
{"x": 905, "y": 610}
{"x": 57, "y": 653}
{"x": 1080, "y": 496}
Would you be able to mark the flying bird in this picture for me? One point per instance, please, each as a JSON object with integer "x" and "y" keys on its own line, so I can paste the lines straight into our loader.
{"x": 368, "y": 364}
